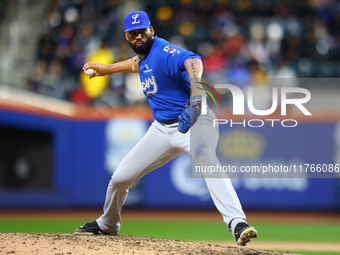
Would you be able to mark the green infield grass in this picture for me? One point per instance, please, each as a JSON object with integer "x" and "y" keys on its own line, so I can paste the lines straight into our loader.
{"x": 198, "y": 231}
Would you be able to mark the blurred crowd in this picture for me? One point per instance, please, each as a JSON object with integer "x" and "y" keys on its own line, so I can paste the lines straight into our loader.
{"x": 2, "y": 8}
{"x": 236, "y": 39}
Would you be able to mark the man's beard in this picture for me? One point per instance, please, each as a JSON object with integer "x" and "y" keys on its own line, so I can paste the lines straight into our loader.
{"x": 144, "y": 48}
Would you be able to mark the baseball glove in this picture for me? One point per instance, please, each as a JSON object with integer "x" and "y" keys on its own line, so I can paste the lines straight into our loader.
{"x": 190, "y": 114}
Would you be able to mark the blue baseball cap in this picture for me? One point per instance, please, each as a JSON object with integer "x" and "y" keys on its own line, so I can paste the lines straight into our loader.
{"x": 136, "y": 20}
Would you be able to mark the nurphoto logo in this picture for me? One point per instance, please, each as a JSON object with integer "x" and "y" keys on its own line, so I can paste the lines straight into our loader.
{"x": 239, "y": 102}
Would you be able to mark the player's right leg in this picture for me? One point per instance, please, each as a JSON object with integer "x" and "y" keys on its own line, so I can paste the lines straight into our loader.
{"x": 151, "y": 152}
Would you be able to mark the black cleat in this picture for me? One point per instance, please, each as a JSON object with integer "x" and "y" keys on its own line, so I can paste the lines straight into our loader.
{"x": 91, "y": 227}
{"x": 244, "y": 233}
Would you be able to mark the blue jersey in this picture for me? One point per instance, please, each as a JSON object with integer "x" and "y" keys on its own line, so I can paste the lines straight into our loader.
{"x": 165, "y": 82}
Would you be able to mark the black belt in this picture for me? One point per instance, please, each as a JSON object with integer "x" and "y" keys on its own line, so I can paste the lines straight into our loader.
{"x": 168, "y": 122}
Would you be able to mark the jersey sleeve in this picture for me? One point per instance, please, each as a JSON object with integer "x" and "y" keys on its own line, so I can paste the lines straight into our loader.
{"x": 174, "y": 58}
{"x": 185, "y": 56}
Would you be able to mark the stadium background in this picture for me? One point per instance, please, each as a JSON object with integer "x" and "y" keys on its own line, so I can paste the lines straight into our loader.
{"x": 63, "y": 135}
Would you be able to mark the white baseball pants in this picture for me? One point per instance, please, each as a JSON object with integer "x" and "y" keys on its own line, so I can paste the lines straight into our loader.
{"x": 159, "y": 145}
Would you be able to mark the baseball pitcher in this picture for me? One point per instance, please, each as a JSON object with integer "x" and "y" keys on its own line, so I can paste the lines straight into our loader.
{"x": 169, "y": 76}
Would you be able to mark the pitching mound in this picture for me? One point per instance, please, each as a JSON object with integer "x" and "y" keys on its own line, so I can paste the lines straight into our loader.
{"x": 57, "y": 244}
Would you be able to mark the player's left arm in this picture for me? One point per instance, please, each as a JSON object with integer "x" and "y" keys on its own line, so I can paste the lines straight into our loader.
{"x": 192, "y": 111}
{"x": 194, "y": 68}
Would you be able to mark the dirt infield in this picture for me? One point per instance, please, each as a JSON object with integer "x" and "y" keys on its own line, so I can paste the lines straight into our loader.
{"x": 57, "y": 244}
{"x": 15, "y": 243}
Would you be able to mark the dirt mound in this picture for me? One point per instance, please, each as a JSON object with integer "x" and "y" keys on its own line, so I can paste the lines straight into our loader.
{"x": 58, "y": 244}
